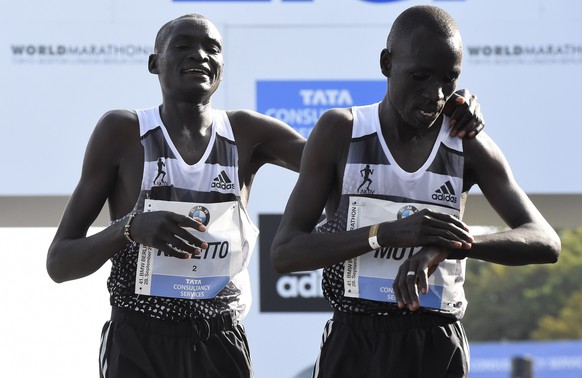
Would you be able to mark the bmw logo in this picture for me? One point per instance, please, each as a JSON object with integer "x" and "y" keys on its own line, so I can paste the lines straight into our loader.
{"x": 406, "y": 211}
{"x": 201, "y": 213}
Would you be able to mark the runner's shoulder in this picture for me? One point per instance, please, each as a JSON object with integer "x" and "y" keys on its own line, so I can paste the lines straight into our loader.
{"x": 335, "y": 123}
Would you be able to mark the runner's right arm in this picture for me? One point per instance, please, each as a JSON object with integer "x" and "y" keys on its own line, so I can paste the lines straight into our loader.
{"x": 105, "y": 175}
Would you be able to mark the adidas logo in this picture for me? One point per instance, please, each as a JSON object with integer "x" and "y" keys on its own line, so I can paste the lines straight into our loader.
{"x": 222, "y": 181}
{"x": 445, "y": 193}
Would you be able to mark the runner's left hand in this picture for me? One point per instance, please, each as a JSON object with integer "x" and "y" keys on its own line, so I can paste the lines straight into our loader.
{"x": 413, "y": 274}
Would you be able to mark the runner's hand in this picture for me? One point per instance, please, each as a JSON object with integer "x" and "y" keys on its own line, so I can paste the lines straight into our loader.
{"x": 413, "y": 274}
{"x": 464, "y": 113}
{"x": 426, "y": 227}
{"x": 167, "y": 231}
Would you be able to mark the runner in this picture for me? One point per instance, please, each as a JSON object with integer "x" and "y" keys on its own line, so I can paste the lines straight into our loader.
{"x": 379, "y": 245}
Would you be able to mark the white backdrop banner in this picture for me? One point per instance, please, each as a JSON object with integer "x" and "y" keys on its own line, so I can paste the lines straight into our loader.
{"x": 65, "y": 63}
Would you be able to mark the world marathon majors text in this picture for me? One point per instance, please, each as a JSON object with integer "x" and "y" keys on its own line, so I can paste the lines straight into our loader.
{"x": 566, "y": 49}
{"x": 129, "y": 50}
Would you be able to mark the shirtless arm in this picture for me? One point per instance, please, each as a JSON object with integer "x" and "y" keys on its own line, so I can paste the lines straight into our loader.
{"x": 296, "y": 248}
{"x": 267, "y": 140}
{"x": 274, "y": 142}
{"x": 72, "y": 254}
{"x": 531, "y": 239}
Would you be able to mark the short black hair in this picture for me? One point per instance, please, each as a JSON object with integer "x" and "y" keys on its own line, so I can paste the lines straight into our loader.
{"x": 164, "y": 31}
{"x": 435, "y": 19}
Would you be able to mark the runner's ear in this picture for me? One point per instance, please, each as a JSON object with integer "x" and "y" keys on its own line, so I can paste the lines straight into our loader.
{"x": 386, "y": 62}
{"x": 153, "y": 64}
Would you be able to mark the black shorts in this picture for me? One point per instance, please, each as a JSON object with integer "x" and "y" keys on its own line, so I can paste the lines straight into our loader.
{"x": 417, "y": 345}
{"x": 134, "y": 345}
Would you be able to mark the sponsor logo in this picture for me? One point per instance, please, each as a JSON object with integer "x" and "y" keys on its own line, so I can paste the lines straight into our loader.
{"x": 229, "y": 1}
{"x": 406, "y": 211}
{"x": 222, "y": 181}
{"x": 550, "y": 53}
{"x": 160, "y": 174}
{"x": 365, "y": 173}
{"x": 292, "y": 292}
{"x": 395, "y": 1}
{"x": 243, "y": 1}
{"x": 107, "y": 53}
{"x": 445, "y": 193}
{"x": 291, "y": 1}
{"x": 301, "y": 103}
{"x": 201, "y": 213}
{"x": 300, "y": 285}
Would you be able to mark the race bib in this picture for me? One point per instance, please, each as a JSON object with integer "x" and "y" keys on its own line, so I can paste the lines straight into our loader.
{"x": 371, "y": 275}
{"x": 203, "y": 276}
